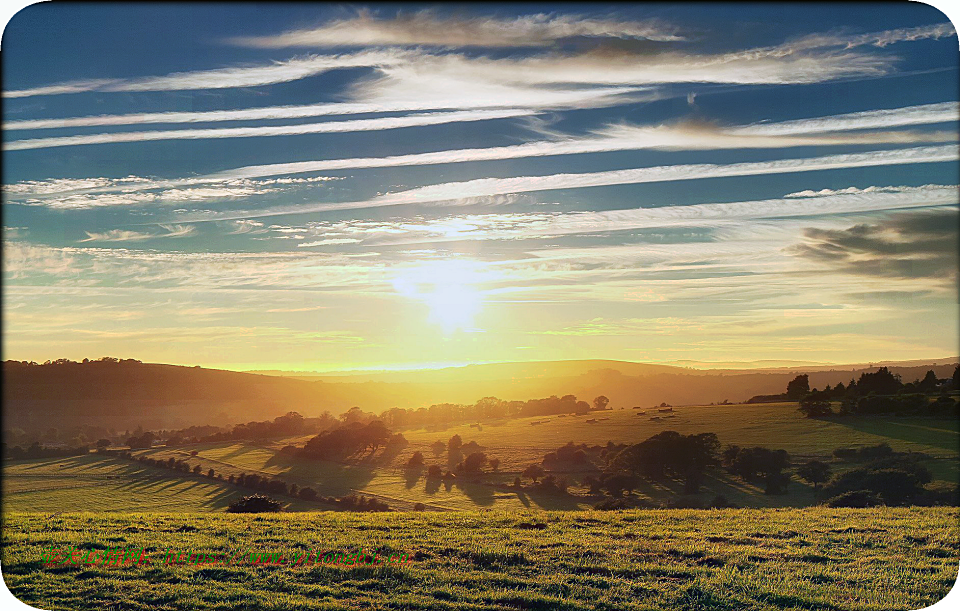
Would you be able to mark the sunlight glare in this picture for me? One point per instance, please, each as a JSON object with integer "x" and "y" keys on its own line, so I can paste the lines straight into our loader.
{"x": 448, "y": 288}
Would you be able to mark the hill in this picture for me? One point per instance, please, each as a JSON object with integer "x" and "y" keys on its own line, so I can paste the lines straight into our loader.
{"x": 126, "y": 394}
{"x": 722, "y": 560}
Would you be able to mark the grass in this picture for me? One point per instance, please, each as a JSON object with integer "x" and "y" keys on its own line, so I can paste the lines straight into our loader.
{"x": 811, "y": 559}
{"x": 108, "y": 484}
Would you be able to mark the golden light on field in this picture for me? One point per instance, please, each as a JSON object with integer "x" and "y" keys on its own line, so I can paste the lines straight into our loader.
{"x": 448, "y": 288}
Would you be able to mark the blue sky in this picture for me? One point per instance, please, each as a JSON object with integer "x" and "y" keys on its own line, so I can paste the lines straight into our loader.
{"x": 322, "y": 187}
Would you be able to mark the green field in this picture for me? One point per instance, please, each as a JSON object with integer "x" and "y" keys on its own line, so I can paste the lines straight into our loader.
{"x": 878, "y": 559}
{"x": 98, "y": 483}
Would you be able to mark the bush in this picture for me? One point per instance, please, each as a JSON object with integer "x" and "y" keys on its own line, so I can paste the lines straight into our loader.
{"x": 855, "y": 498}
{"x": 416, "y": 461}
{"x": 255, "y": 503}
{"x": 612, "y": 505}
{"x": 419, "y": 507}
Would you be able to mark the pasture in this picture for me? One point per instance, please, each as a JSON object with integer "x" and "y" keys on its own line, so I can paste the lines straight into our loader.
{"x": 827, "y": 559}
{"x": 99, "y": 483}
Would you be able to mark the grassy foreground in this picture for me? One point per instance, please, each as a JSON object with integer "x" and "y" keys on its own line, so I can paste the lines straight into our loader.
{"x": 815, "y": 558}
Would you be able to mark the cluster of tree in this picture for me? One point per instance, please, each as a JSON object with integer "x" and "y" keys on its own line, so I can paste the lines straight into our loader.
{"x": 262, "y": 484}
{"x": 35, "y": 450}
{"x": 255, "y": 503}
{"x": 878, "y": 392}
{"x": 894, "y": 480}
{"x": 680, "y": 502}
{"x": 759, "y": 465}
{"x": 142, "y": 441}
{"x": 347, "y": 441}
{"x": 669, "y": 454}
{"x": 288, "y": 425}
{"x": 68, "y": 362}
{"x": 571, "y": 456}
{"x": 488, "y": 408}
{"x": 74, "y": 436}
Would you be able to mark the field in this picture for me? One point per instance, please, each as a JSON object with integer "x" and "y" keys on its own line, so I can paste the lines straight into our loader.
{"x": 876, "y": 559}
{"x": 109, "y": 484}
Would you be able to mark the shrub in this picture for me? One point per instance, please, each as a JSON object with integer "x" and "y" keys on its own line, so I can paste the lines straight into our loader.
{"x": 419, "y": 507}
{"x": 611, "y": 505}
{"x": 255, "y": 503}
{"x": 416, "y": 461}
{"x": 855, "y": 498}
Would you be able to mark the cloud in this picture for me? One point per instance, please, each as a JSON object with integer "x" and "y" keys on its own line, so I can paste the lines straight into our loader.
{"x": 220, "y": 78}
{"x": 872, "y": 119}
{"x": 117, "y": 235}
{"x": 524, "y": 226}
{"x": 383, "y": 123}
{"x": 518, "y": 96}
{"x": 244, "y": 226}
{"x": 123, "y": 235}
{"x": 453, "y": 192}
{"x": 910, "y": 246}
{"x": 414, "y": 74}
{"x": 428, "y": 28}
{"x": 82, "y": 194}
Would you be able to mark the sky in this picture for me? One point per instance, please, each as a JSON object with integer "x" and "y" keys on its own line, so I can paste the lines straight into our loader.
{"x": 327, "y": 187}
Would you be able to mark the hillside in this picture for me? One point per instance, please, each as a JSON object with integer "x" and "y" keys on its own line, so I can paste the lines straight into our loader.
{"x": 721, "y": 560}
{"x": 127, "y": 394}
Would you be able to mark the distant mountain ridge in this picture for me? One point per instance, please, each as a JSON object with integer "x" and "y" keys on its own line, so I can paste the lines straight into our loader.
{"x": 129, "y": 393}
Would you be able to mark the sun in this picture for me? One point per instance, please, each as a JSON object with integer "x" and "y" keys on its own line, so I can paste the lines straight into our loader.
{"x": 448, "y": 288}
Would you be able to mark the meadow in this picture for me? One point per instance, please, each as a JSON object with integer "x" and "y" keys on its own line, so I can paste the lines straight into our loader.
{"x": 825, "y": 559}
{"x": 100, "y": 483}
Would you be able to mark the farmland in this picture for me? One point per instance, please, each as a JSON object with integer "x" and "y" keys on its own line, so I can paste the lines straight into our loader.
{"x": 110, "y": 484}
{"x": 874, "y": 559}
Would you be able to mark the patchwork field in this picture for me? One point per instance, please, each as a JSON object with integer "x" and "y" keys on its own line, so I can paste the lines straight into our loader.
{"x": 108, "y": 484}
{"x": 826, "y": 559}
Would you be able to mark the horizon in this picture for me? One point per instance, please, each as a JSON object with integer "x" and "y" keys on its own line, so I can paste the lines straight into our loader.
{"x": 660, "y": 184}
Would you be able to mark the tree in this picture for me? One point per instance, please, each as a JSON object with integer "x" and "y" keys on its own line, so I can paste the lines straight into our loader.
{"x": 815, "y": 405}
{"x": 798, "y": 387}
{"x": 534, "y": 472}
{"x": 103, "y": 443}
{"x": 474, "y": 462}
{"x": 600, "y": 403}
{"x": 494, "y": 464}
{"x": 211, "y": 473}
{"x": 416, "y": 461}
{"x": 929, "y": 382}
{"x": 454, "y": 444}
{"x": 255, "y": 503}
{"x": 438, "y": 447}
{"x": 619, "y": 483}
{"x": 434, "y": 472}
{"x": 308, "y": 494}
{"x": 956, "y": 378}
{"x": 814, "y": 471}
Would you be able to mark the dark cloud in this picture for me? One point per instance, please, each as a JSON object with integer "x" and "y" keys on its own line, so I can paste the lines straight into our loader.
{"x": 917, "y": 245}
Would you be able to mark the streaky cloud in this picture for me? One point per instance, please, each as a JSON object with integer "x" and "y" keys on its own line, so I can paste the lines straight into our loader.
{"x": 428, "y": 28}
{"x": 451, "y": 193}
{"x": 357, "y": 125}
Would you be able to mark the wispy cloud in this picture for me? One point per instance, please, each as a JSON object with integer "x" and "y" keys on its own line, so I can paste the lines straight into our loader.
{"x": 429, "y": 28}
{"x": 220, "y": 78}
{"x": 873, "y": 119}
{"x": 523, "y": 226}
{"x": 124, "y": 235}
{"x": 383, "y": 123}
{"x": 484, "y": 187}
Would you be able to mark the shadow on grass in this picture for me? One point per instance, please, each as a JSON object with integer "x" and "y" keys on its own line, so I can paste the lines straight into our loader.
{"x": 938, "y": 433}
